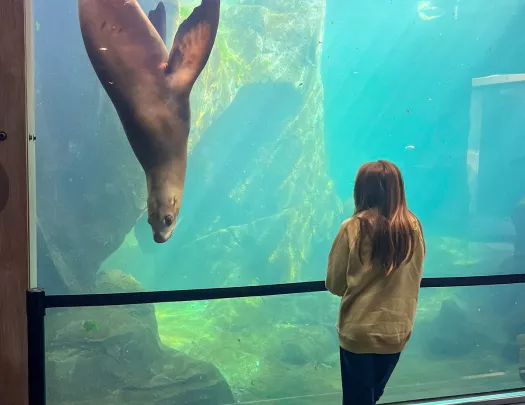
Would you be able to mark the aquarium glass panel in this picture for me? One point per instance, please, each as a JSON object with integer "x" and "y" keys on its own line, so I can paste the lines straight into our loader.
{"x": 293, "y": 98}
{"x": 280, "y": 348}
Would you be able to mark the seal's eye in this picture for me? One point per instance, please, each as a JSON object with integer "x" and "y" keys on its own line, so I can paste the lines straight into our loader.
{"x": 168, "y": 220}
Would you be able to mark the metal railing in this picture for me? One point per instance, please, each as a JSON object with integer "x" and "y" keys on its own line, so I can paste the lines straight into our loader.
{"x": 38, "y": 302}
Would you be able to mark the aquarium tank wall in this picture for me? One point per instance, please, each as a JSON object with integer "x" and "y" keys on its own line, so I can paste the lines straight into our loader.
{"x": 294, "y": 97}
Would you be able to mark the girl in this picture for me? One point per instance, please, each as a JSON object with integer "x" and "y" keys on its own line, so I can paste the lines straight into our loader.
{"x": 375, "y": 265}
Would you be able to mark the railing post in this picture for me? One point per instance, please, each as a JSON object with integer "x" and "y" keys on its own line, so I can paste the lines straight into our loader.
{"x": 36, "y": 311}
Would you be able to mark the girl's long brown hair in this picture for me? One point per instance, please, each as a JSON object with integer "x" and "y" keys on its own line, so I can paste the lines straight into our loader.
{"x": 379, "y": 195}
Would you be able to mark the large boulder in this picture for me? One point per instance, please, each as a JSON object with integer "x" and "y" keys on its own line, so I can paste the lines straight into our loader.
{"x": 114, "y": 355}
{"x": 453, "y": 332}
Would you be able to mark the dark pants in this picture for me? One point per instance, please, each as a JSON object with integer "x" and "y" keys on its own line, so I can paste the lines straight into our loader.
{"x": 364, "y": 376}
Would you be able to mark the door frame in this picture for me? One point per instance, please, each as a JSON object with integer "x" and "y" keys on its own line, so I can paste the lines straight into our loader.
{"x": 17, "y": 218}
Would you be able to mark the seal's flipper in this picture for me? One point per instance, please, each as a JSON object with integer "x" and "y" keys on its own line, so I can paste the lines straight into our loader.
{"x": 192, "y": 46}
{"x": 158, "y": 19}
{"x": 120, "y": 42}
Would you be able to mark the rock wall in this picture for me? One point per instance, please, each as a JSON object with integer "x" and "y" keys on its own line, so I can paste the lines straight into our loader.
{"x": 257, "y": 199}
{"x": 114, "y": 355}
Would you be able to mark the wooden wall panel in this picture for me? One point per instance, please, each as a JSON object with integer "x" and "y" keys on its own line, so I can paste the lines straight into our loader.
{"x": 14, "y": 229}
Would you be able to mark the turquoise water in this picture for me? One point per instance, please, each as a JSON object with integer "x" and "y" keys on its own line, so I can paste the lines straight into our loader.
{"x": 295, "y": 97}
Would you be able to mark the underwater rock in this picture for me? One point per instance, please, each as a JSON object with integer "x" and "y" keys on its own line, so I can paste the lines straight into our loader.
{"x": 304, "y": 344}
{"x": 115, "y": 281}
{"x": 49, "y": 276}
{"x": 114, "y": 355}
{"x": 452, "y": 333}
{"x": 87, "y": 203}
{"x": 509, "y": 304}
{"x": 521, "y": 345}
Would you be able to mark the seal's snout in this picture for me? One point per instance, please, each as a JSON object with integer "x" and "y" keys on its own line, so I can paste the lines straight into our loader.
{"x": 160, "y": 238}
{"x": 162, "y": 219}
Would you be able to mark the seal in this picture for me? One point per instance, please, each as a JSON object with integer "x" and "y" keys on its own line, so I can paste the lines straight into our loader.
{"x": 150, "y": 89}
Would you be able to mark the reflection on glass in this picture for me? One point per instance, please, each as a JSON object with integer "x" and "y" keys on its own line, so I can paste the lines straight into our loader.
{"x": 281, "y": 348}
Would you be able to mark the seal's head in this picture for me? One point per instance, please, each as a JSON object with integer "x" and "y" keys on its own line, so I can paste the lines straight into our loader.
{"x": 163, "y": 209}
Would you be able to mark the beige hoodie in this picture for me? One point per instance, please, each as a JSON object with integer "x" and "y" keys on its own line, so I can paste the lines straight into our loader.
{"x": 377, "y": 311}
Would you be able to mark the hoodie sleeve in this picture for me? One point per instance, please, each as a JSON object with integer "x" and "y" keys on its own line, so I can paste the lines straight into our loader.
{"x": 338, "y": 262}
